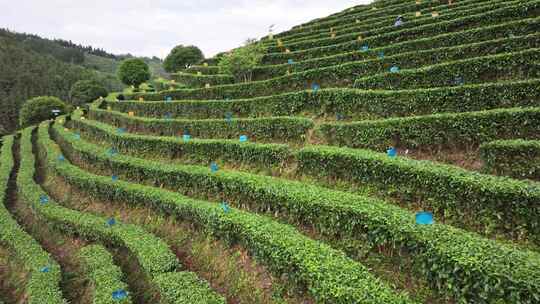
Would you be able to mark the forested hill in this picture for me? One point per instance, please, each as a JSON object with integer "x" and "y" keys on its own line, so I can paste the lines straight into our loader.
{"x": 70, "y": 52}
{"x": 33, "y": 66}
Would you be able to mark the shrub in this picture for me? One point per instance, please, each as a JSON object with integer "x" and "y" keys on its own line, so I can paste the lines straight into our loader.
{"x": 241, "y": 62}
{"x": 84, "y": 91}
{"x": 133, "y": 72}
{"x": 182, "y": 56}
{"x": 40, "y": 108}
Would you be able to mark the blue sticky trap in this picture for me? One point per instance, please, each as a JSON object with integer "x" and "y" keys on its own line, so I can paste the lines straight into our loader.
{"x": 339, "y": 116}
{"x": 290, "y": 61}
{"x": 61, "y": 158}
{"x": 381, "y": 55}
{"x": 213, "y": 167}
{"x": 394, "y": 69}
{"x": 43, "y": 199}
{"x": 364, "y": 48}
{"x": 167, "y": 115}
{"x": 315, "y": 87}
{"x": 228, "y": 117}
{"x": 392, "y": 152}
{"x": 459, "y": 80}
{"x": 121, "y": 130}
{"x": 243, "y": 138}
{"x": 77, "y": 136}
{"x": 186, "y": 137}
{"x": 114, "y": 178}
{"x": 112, "y": 151}
{"x": 119, "y": 294}
{"x": 227, "y": 99}
{"x": 225, "y": 207}
{"x": 45, "y": 269}
{"x": 111, "y": 222}
{"x": 168, "y": 99}
{"x": 56, "y": 112}
{"x": 424, "y": 218}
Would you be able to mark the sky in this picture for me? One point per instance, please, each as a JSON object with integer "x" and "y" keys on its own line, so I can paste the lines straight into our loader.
{"x": 154, "y": 27}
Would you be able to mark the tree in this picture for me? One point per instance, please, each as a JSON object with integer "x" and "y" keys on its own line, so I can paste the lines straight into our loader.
{"x": 181, "y": 56}
{"x": 84, "y": 91}
{"x": 133, "y": 72}
{"x": 41, "y": 108}
{"x": 241, "y": 61}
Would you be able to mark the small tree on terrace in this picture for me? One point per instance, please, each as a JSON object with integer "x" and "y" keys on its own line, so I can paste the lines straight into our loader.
{"x": 241, "y": 61}
{"x": 182, "y": 56}
{"x": 84, "y": 91}
{"x": 133, "y": 72}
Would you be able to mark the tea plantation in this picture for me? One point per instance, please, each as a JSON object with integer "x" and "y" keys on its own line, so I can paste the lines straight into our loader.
{"x": 371, "y": 159}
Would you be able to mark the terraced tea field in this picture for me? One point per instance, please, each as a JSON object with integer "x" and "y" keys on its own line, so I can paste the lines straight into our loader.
{"x": 303, "y": 185}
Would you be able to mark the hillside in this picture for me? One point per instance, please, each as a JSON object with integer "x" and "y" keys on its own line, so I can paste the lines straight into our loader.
{"x": 367, "y": 162}
{"x": 25, "y": 74}
{"x": 33, "y": 66}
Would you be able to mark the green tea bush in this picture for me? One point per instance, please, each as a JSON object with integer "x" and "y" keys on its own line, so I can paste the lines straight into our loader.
{"x": 40, "y": 286}
{"x": 350, "y": 102}
{"x": 133, "y": 72}
{"x": 105, "y": 277}
{"x": 517, "y": 158}
{"x": 435, "y": 131}
{"x": 327, "y": 274}
{"x": 438, "y": 250}
{"x": 257, "y": 129}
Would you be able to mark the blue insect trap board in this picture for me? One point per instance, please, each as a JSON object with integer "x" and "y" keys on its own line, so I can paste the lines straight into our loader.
{"x": 56, "y": 112}
{"x": 243, "y": 138}
{"x": 114, "y": 178}
{"x": 168, "y": 99}
{"x": 364, "y": 48}
{"x": 61, "y": 158}
{"x": 186, "y": 137}
{"x": 339, "y": 116}
{"x": 112, "y": 151}
{"x": 167, "y": 116}
{"x": 121, "y": 130}
{"x": 381, "y": 55}
{"x": 228, "y": 117}
{"x": 45, "y": 269}
{"x": 43, "y": 199}
{"x": 424, "y": 218}
{"x": 213, "y": 167}
{"x": 290, "y": 61}
{"x": 392, "y": 152}
{"x": 119, "y": 294}
{"x": 77, "y": 136}
{"x": 225, "y": 207}
{"x": 458, "y": 80}
{"x": 394, "y": 69}
{"x": 315, "y": 87}
{"x": 111, "y": 222}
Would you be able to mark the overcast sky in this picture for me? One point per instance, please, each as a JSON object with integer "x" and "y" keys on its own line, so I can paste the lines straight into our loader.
{"x": 153, "y": 27}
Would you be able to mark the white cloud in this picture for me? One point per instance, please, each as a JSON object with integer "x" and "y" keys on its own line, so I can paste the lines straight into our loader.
{"x": 146, "y": 27}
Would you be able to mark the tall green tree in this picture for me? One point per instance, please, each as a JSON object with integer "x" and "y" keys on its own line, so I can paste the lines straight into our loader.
{"x": 133, "y": 72}
{"x": 181, "y": 56}
{"x": 84, "y": 91}
{"x": 241, "y": 61}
